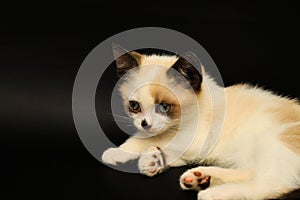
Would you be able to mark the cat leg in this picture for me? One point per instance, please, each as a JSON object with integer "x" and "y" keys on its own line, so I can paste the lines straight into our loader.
{"x": 245, "y": 190}
{"x": 200, "y": 178}
{"x": 115, "y": 156}
{"x": 129, "y": 150}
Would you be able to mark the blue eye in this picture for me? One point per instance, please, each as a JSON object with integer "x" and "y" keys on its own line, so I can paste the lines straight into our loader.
{"x": 134, "y": 106}
{"x": 164, "y": 107}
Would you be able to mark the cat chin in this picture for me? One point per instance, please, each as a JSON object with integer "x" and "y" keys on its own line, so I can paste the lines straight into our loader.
{"x": 149, "y": 133}
{"x": 152, "y": 131}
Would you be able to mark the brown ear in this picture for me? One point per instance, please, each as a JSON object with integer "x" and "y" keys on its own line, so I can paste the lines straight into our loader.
{"x": 186, "y": 66}
{"x": 125, "y": 60}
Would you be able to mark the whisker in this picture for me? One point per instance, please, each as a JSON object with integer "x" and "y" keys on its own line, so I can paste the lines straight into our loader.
{"x": 117, "y": 115}
{"x": 129, "y": 131}
{"x": 123, "y": 120}
{"x": 128, "y": 125}
{"x": 109, "y": 113}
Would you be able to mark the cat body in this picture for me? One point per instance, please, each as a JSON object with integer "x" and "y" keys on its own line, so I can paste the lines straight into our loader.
{"x": 256, "y": 154}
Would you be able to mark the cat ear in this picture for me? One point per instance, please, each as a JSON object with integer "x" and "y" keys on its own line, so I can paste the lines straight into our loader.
{"x": 186, "y": 66}
{"x": 125, "y": 60}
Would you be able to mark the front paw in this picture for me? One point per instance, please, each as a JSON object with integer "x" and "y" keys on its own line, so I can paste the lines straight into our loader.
{"x": 151, "y": 162}
{"x": 116, "y": 156}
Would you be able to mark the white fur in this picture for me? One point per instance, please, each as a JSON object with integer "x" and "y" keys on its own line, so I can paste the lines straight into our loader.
{"x": 249, "y": 137}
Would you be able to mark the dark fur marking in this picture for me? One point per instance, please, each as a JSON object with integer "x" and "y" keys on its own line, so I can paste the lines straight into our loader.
{"x": 125, "y": 60}
{"x": 186, "y": 70}
{"x": 204, "y": 185}
{"x": 187, "y": 185}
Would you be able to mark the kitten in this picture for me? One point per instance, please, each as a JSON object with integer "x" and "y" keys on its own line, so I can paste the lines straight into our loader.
{"x": 174, "y": 107}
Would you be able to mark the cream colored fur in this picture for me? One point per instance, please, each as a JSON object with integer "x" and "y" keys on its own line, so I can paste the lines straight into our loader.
{"x": 253, "y": 159}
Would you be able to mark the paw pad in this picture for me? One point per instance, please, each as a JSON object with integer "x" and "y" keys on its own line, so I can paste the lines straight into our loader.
{"x": 152, "y": 163}
{"x": 197, "y": 173}
{"x": 188, "y": 179}
{"x": 194, "y": 180}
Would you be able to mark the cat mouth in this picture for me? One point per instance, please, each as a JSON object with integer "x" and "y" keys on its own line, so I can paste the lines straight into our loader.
{"x": 150, "y": 132}
{"x": 153, "y": 132}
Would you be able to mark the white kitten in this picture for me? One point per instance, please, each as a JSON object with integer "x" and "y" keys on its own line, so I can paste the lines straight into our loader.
{"x": 175, "y": 108}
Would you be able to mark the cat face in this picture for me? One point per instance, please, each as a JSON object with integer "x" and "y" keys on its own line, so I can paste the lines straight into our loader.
{"x": 155, "y": 89}
{"x": 153, "y": 108}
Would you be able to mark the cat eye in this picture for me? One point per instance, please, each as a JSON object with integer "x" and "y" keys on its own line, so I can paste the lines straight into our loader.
{"x": 164, "y": 107}
{"x": 134, "y": 106}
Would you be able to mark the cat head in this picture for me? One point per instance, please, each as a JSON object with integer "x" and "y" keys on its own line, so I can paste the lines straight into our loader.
{"x": 157, "y": 90}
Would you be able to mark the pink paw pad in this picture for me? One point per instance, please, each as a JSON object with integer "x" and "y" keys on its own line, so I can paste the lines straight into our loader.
{"x": 196, "y": 180}
{"x": 188, "y": 179}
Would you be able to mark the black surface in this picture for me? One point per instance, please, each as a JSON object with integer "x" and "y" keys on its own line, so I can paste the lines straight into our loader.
{"x": 42, "y": 45}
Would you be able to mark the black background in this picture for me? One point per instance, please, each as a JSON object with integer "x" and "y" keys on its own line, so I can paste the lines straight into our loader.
{"x": 42, "y": 45}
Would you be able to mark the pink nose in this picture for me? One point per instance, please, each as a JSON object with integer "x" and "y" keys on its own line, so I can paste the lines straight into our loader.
{"x": 188, "y": 179}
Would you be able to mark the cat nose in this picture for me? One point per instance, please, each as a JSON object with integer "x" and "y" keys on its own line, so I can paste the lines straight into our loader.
{"x": 145, "y": 125}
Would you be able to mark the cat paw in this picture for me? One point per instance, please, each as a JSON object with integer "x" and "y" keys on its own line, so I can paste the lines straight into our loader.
{"x": 151, "y": 162}
{"x": 116, "y": 156}
{"x": 194, "y": 180}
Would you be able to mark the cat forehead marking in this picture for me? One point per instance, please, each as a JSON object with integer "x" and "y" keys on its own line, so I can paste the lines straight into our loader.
{"x": 162, "y": 94}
